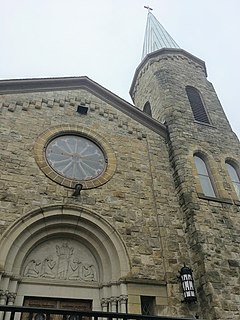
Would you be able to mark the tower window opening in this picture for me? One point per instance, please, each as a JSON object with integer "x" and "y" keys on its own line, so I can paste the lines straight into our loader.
{"x": 147, "y": 109}
{"x": 148, "y": 305}
{"x": 197, "y": 106}
{"x": 234, "y": 176}
{"x": 204, "y": 177}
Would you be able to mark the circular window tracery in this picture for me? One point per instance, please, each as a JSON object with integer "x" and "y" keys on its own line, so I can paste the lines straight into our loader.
{"x": 75, "y": 157}
{"x": 72, "y": 154}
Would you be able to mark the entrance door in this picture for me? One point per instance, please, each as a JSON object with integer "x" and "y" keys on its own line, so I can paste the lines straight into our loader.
{"x": 81, "y": 305}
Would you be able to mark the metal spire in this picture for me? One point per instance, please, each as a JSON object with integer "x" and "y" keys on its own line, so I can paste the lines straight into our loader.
{"x": 156, "y": 37}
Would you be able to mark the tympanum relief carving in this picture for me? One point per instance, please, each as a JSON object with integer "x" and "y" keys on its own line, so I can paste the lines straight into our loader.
{"x": 63, "y": 260}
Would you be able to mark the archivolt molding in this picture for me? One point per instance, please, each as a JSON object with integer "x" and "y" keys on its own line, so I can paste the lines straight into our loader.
{"x": 231, "y": 159}
{"x": 65, "y": 222}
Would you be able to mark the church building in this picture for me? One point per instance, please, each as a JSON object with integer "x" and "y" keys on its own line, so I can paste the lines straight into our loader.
{"x": 118, "y": 207}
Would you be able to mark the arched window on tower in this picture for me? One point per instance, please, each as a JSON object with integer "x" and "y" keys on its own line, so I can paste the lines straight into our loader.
{"x": 147, "y": 108}
{"x": 234, "y": 175}
{"x": 204, "y": 176}
{"x": 197, "y": 106}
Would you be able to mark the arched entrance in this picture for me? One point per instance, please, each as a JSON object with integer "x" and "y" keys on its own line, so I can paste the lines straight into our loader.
{"x": 64, "y": 252}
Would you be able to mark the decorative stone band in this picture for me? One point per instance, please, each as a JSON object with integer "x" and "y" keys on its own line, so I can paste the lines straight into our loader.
{"x": 47, "y": 136}
{"x": 72, "y": 99}
{"x": 123, "y": 298}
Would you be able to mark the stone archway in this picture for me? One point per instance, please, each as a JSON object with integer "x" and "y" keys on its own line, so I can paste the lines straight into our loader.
{"x": 72, "y": 248}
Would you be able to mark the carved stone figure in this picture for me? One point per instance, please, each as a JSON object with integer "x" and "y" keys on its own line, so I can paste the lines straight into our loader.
{"x": 88, "y": 272}
{"x": 32, "y": 268}
{"x": 64, "y": 254}
{"x": 47, "y": 267}
{"x": 75, "y": 274}
{"x": 64, "y": 260}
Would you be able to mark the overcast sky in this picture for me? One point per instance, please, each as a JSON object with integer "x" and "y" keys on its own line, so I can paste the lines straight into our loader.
{"x": 103, "y": 40}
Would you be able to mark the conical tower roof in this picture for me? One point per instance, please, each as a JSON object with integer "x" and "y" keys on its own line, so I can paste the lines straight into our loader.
{"x": 156, "y": 37}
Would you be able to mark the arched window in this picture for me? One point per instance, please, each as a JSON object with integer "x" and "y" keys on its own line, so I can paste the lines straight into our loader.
{"x": 204, "y": 177}
{"x": 232, "y": 171}
{"x": 147, "y": 109}
{"x": 197, "y": 106}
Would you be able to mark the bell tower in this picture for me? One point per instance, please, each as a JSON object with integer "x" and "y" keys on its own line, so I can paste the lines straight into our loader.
{"x": 171, "y": 85}
{"x": 164, "y": 76}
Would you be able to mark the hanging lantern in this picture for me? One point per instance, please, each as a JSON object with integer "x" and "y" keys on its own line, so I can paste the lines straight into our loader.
{"x": 187, "y": 282}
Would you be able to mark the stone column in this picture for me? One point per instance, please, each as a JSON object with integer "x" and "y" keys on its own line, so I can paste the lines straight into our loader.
{"x": 5, "y": 280}
{"x": 8, "y": 292}
{"x": 104, "y": 304}
{"x": 3, "y": 300}
{"x": 10, "y": 301}
{"x": 123, "y": 303}
{"x": 114, "y": 302}
{"x": 123, "y": 289}
{"x": 13, "y": 284}
{"x": 11, "y": 298}
{"x": 3, "y": 297}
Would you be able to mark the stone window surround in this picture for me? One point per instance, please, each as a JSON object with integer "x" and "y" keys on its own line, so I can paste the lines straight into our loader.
{"x": 147, "y": 108}
{"x": 204, "y": 158}
{"x": 48, "y": 135}
{"x": 221, "y": 200}
{"x": 203, "y": 106}
{"x": 236, "y": 166}
{"x": 221, "y": 195}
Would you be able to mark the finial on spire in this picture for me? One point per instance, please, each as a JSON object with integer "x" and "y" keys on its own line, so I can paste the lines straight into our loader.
{"x": 148, "y": 8}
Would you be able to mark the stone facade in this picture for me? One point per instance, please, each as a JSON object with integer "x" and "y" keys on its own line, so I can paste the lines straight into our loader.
{"x": 131, "y": 229}
{"x": 211, "y": 224}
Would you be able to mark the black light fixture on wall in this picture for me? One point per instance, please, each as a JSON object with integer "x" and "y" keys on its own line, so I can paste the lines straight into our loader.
{"x": 187, "y": 283}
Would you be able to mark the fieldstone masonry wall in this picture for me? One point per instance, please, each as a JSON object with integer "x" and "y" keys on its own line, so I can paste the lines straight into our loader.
{"x": 153, "y": 200}
{"x": 212, "y": 225}
{"x": 139, "y": 201}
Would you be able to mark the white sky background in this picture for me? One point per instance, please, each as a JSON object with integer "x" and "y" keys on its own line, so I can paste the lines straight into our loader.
{"x": 103, "y": 40}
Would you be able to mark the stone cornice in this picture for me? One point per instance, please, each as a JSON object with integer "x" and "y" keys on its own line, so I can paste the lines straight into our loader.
{"x": 74, "y": 83}
{"x": 162, "y": 52}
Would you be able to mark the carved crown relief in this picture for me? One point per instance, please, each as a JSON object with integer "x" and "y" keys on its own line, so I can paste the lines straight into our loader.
{"x": 63, "y": 260}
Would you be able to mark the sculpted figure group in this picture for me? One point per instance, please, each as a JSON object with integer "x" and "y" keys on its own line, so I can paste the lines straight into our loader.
{"x": 65, "y": 266}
